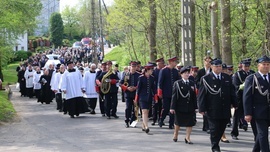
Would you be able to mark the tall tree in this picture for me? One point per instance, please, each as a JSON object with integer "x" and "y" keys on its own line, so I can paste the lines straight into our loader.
{"x": 214, "y": 29}
{"x": 16, "y": 18}
{"x": 152, "y": 30}
{"x": 70, "y": 21}
{"x": 56, "y": 29}
{"x": 226, "y": 31}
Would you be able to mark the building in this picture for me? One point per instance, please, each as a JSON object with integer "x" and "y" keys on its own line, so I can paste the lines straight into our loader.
{"x": 21, "y": 43}
{"x": 49, "y": 7}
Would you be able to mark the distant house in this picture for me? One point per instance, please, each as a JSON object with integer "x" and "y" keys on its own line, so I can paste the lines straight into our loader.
{"x": 21, "y": 43}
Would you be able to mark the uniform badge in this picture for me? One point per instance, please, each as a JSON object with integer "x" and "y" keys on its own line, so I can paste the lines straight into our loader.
{"x": 262, "y": 87}
{"x": 192, "y": 87}
{"x": 181, "y": 87}
{"x": 215, "y": 86}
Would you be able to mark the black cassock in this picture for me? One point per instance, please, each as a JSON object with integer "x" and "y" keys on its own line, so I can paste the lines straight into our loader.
{"x": 46, "y": 92}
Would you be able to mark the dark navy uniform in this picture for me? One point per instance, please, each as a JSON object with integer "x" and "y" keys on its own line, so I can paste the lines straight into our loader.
{"x": 238, "y": 117}
{"x": 111, "y": 97}
{"x": 157, "y": 106}
{"x": 184, "y": 102}
{"x": 257, "y": 104}
{"x": 101, "y": 96}
{"x": 146, "y": 91}
{"x": 215, "y": 99}
{"x": 167, "y": 77}
{"x": 202, "y": 72}
{"x": 132, "y": 80}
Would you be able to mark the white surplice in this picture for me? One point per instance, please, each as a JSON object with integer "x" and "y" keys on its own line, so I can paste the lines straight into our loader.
{"x": 90, "y": 83}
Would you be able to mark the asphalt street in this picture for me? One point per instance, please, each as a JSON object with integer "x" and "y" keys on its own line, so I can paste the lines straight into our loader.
{"x": 41, "y": 128}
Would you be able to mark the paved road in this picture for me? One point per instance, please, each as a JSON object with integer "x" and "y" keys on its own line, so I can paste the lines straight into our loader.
{"x": 40, "y": 128}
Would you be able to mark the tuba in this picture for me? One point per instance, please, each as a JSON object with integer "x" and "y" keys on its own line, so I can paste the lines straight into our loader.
{"x": 105, "y": 82}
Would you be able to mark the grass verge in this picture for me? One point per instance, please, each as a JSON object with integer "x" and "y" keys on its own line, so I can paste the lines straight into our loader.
{"x": 7, "y": 111}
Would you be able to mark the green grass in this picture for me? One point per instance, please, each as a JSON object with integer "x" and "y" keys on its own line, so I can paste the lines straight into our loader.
{"x": 10, "y": 74}
{"x": 120, "y": 55}
{"x": 7, "y": 111}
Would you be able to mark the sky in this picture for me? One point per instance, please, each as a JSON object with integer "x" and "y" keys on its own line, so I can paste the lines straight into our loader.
{"x": 72, "y": 3}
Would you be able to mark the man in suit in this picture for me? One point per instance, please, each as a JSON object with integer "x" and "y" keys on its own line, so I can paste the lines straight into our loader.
{"x": 256, "y": 103}
{"x": 205, "y": 70}
{"x": 216, "y": 96}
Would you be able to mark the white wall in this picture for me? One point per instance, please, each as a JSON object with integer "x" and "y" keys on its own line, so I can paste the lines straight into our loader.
{"x": 22, "y": 43}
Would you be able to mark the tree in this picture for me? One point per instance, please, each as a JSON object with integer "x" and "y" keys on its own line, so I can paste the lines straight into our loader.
{"x": 214, "y": 30}
{"x": 152, "y": 30}
{"x": 56, "y": 29}
{"x": 16, "y": 18}
{"x": 226, "y": 31}
{"x": 71, "y": 21}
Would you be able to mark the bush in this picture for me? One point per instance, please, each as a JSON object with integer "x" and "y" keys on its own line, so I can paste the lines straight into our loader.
{"x": 19, "y": 55}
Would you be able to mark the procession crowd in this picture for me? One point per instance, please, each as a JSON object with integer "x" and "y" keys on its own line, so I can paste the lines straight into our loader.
{"x": 156, "y": 91}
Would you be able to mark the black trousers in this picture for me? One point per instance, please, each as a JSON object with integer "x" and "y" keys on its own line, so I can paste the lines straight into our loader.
{"x": 30, "y": 92}
{"x": 92, "y": 103}
{"x": 59, "y": 103}
{"x": 111, "y": 104}
{"x": 156, "y": 110}
{"x": 238, "y": 119}
{"x": 166, "y": 104}
{"x": 123, "y": 96}
{"x": 38, "y": 94}
{"x": 217, "y": 128}
{"x": 101, "y": 103}
{"x": 261, "y": 142}
{"x": 129, "y": 111}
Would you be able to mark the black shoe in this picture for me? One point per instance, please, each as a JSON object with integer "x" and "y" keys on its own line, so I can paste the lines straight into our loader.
{"x": 103, "y": 115}
{"x": 65, "y": 113}
{"x": 245, "y": 127}
{"x": 153, "y": 123}
{"x": 147, "y": 130}
{"x": 115, "y": 116}
{"x": 175, "y": 140}
{"x": 208, "y": 131}
{"x": 171, "y": 127}
{"x": 93, "y": 112}
{"x": 143, "y": 129}
{"x": 72, "y": 116}
{"x": 188, "y": 142}
{"x": 160, "y": 123}
{"x": 127, "y": 125}
{"x": 225, "y": 140}
{"x": 108, "y": 117}
{"x": 235, "y": 137}
{"x": 77, "y": 115}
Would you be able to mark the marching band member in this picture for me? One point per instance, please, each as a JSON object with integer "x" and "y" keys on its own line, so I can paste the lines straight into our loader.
{"x": 184, "y": 103}
{"x": 129, "y": 85}
{"x": 157, "y": 106}
{"x": 166, "y": 79}
{"x": 111, "y": 96}
{"x": 256, "y": 103}
{"x": 101, "y": 95}
{"x": 216, "y": 96}
{"x": 145, "y": 93}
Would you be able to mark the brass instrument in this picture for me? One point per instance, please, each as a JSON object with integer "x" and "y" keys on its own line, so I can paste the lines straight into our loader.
{"x": 126, "y": 79}
{"x": 136, "y": 111}
{"x": 105, "y": 83}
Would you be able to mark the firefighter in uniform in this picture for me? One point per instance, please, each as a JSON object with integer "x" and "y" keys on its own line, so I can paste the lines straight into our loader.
{"x": 128, "y": 84}
{"x": 216, "y": 96}
{"x": 167, "y": 77}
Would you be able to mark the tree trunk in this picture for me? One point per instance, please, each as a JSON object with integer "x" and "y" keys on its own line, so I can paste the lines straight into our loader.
{"x": 214, "y": 30}
{"x": 244, "y": 27}
{"x": 226, "y": 31}
{"x": 267, "y": 29}
{"x": 152, "y": 30}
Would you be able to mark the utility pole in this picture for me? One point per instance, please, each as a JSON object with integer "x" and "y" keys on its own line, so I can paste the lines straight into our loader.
{"x": 94, "y": 53}
{"x": 101, "y": 29}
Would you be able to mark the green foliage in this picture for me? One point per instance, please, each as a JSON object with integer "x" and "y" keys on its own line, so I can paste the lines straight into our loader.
{"x": 21, "y": 55}
{"x": 120, "y": 55}
{"x": 56, "y": 29}
{"x": 7, "y": 111}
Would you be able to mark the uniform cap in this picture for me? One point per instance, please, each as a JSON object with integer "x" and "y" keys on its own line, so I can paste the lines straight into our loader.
{"x": 185, "y": 69}
{"x": 263, "y": 59}
{"x": 216, "y": 61}
{"x": 160, "y": 60}
{"x": 173, "y": 59}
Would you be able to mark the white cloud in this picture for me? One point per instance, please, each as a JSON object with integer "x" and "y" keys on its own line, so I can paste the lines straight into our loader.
{"x": 72, "y": 3}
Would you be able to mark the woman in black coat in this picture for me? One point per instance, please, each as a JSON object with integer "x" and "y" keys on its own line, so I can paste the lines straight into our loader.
{"x": 183, "y": 105}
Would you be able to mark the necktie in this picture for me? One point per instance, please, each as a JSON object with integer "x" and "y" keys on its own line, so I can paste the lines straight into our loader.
{"x": 265, "y": 79}
{"x": 218, "y": 77}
